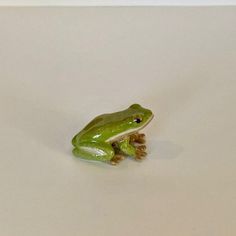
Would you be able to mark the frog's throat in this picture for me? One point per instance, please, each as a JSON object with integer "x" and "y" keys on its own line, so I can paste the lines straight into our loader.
{"x": 128, "y": 132}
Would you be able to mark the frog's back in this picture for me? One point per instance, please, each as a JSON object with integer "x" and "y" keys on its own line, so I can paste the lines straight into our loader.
{"x": 94, "y": 129}
{"x": 102, "y": 127}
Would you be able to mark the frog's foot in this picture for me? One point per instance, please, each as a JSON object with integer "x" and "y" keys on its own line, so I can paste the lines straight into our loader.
{"x": 140, "y": 153}
{"x": 116, "y": 159}
{"x": 137, "y": 138}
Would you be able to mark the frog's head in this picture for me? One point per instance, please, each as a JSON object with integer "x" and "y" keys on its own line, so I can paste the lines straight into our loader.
{"x": 129, "y": 121}
{"x": 139, "y": 117}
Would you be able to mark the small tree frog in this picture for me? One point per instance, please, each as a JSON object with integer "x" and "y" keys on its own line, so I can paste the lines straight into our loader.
{"x": 110, "y": 137}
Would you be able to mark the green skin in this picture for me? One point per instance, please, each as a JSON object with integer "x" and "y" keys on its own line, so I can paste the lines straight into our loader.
{"x": 94, "y": 141}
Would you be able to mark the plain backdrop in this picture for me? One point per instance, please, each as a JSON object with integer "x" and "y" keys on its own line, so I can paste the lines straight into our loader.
{"x": 117, "y": 2}
{"x": 60, "y": 67}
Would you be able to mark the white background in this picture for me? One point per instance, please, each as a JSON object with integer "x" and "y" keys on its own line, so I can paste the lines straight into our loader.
{"x": 117, "y": 2}
{"x": 60, "y": 67}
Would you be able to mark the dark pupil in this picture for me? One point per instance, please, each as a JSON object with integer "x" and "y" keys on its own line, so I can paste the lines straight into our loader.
{"x": 137, "y": 120}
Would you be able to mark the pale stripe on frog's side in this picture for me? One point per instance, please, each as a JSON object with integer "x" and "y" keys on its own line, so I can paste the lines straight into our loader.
{"x": 128, "y": 132}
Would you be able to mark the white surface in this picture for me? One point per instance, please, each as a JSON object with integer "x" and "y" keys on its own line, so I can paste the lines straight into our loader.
{"x": 117, "y": 2}
{"x": 62, "y": 66}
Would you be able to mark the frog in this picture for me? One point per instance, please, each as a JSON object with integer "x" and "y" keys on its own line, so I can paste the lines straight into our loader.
{"x": 111, "y": 137}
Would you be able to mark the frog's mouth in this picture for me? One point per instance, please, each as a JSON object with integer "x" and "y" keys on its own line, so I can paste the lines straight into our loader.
{"x": 129, "y": 132}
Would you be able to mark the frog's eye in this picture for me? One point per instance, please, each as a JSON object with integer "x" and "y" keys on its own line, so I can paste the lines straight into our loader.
{"x": 138, "y": 120}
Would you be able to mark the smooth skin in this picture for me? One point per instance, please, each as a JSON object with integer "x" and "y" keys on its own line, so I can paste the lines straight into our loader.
{"x": 97, "y": 139}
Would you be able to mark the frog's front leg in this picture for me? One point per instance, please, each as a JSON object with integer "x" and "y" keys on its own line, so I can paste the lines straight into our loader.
{"x": 138, "y": 152}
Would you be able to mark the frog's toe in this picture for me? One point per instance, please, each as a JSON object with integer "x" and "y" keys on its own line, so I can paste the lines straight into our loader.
{"x": 138, "y": 138}
{"x": 141, "y": 148}
{"x": 140, "y": 154}
{"x": 116, "y": 159}
{"x": 141, "y": 138}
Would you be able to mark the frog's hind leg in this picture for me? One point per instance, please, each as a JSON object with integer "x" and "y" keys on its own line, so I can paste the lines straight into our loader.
{"x": 94, "y": 151}
{"x": 97, "y": 152}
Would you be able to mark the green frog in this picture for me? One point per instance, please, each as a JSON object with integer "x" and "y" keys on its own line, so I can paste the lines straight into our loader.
{"x": 111, "y": 137}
